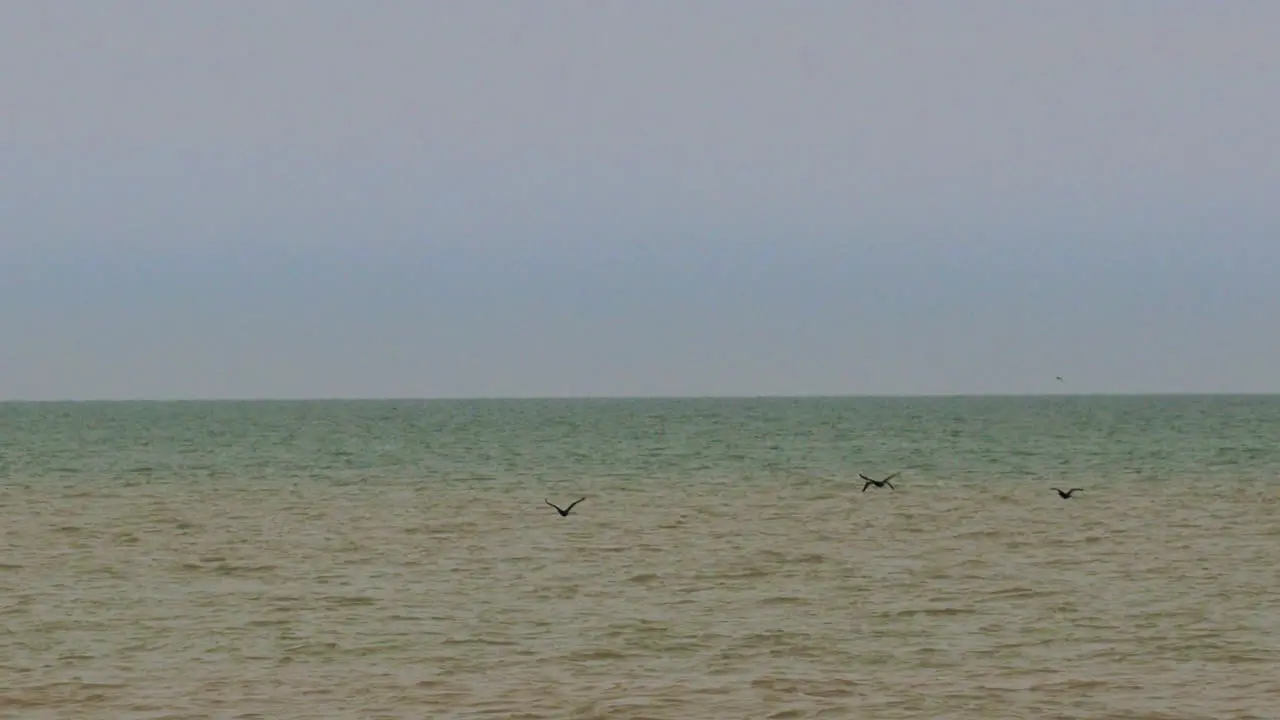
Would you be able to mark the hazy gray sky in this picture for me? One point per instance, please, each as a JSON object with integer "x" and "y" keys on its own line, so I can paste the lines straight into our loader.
{"x": 322, "y": 198}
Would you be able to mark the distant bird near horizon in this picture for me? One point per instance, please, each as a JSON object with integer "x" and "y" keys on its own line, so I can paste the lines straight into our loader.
{"x": 1059, "y": 378}
{"x": 563, "y": 512}
{"x": 879, "y": 483}
{"x": 1067, "y": 495}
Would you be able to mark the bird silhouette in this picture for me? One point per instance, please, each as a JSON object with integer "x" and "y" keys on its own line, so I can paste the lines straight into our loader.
{"x": 878, "y": 483}
{"x": 1067, "y": 495}
{"x": 563, "y": 512}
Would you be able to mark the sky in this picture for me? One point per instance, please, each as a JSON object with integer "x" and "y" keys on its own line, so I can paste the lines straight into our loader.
{"x": 324, "y": 199}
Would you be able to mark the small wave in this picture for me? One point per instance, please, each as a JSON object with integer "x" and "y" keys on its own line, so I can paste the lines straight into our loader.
{"x": 785, "y": 600}
{"x": 229, "y": 569}
{"x": 267, "y": 623}
{"x": 644, "y": 578}
{"x": 595, "y": 654}
{"x": 478, "y": 641}
{"x": 748, "y": 574}
{"x": 349, "y": 600}
{"x": 932, "y": 612}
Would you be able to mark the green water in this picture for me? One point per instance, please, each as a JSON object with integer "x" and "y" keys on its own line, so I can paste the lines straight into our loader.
{"x": 729, "y": 441}
{"x": 394, "y": 558}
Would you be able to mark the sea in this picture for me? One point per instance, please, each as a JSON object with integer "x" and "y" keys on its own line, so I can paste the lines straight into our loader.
{"x": 398, "y": 559}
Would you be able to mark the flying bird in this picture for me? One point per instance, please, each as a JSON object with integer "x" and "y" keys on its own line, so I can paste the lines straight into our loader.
{"x": 565, "y": 511}
{"x": 1067, "y": 495}
{"x": 878, "y": 483}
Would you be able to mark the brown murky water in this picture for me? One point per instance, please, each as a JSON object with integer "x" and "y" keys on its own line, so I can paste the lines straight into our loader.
{"x": 791, "y": 599}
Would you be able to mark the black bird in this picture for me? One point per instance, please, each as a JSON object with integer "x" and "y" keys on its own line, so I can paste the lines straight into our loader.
{"x": 1059, "y": 377}
{"x": 565, "y": 511}
{"x": 878, "y": 483}
{"x": 1067, "y": 495}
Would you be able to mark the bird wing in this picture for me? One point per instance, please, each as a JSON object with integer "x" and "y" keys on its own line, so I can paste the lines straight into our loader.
{"x": 557, "y": 507}
{"x": 891, "y": 487}
{"x": 867, "y": 485}
{"x": 1076, "y": 490}
{"x": 864, "y": 477}
{"x": 575, "y": 502}
{"x": 893, "y": 476}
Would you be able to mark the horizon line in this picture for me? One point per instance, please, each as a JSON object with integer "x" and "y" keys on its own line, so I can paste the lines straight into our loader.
{"x": 531, "y": 398}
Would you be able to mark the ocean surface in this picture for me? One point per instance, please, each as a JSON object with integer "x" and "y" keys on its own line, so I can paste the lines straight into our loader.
{"x": 395, "y": 559}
